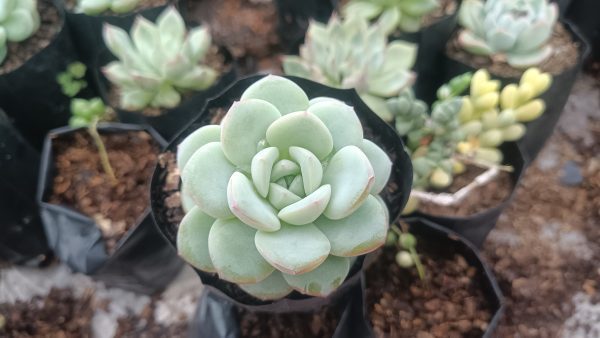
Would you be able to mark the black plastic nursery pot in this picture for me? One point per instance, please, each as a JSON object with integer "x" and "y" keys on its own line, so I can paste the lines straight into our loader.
{"x": 431, "y": 41}
{"x": 476, "y": 227}
{"x": 539, "y": 130}
{"x": 294, "y": 17}
{"x": 584, "y": 14}
{"x": 172, "y": 120}
{"x": 22, "y": 236}
{"x": 142, "y": 261}
{"x": 440, "y": 237}
{"x": 87, "y": 29}
{"x": 30, "y": 95}
{"x": 395, "y": 194}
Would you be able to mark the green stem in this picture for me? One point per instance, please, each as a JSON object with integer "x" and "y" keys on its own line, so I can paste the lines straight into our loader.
{"x": 93, "y": 130}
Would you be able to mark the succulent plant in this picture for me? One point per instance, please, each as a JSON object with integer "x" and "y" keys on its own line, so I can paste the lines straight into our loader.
{"x": 95, "y": 7}
{"x": 515, "y": 31}
{"x": 285, "y": 192}
{"x": 72, "y": 80}
{"x": 490, "y": 117}
{"x": 158, "y": 62}
{"x": 408, "y": 13}
{"x": 348, "y": 53}
{"x": 19, "y": 20}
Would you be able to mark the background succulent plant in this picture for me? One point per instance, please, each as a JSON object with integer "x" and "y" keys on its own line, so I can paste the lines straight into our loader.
{"x": 95, "y": 7}
{"x": 158, "y": 62}
{"x": 348, "y": 53}
{"x": 19, "y": 19}
{"x": 516, "y": 31}
{"x": 490, "y": 117}
{"x": 285, "y": 192}
{"x": 408, "y": 13}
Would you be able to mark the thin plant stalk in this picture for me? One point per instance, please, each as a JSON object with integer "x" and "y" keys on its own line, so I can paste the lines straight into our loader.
{"x": 93, "y": 130}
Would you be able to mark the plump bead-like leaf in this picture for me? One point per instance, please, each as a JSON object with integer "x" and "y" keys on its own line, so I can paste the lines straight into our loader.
{"x": 382, "y": 166}
{"x": 308, "y": 209}
{"x": 351, "y": 177}
{"x": 287, "y": 96}
{"x": 321, "y": 281}
{"x": 194, "y": 141}
{"x": 300, "y": 129}
{"x": 247, "y": 205}
{"x": 205, "y": 178}
{"x": 273, "y": 287}
{"x": 192, "y": 239}
{"x": 293, "y": 249}
{"x": 342, "y": 122}
{"x": 262, "y": 165}
{"x": 243, "y": 127}
{"x": 233, "y": 253}
{"x": 360, "y": 233}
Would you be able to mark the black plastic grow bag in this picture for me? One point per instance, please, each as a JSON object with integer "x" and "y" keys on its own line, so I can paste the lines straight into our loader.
{"x": 376, "y": 129}
{"x": 539, "y": 130}
{"x": 171, "y": 120}
{"x": 30, "y": 95}
{"x": 142, "y": 261}
{"x": 476, "y": 227}
{"x": 446, "y": 239}
{"x": 431, "y": 42}
{"x": 21, "y": 233}
{"x": 584, "y": 14}
{"x": 294, "y": 17}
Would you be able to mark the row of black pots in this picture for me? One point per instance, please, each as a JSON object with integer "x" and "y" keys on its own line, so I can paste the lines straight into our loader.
{"x": 217, "y": 311}
{"x": 79, "y": 38}
{"x": 217, "y": 315}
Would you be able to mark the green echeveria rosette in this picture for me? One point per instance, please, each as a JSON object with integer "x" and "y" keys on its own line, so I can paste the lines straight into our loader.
{"x": 283, "y": 194}
{"x": 19, "y": 20}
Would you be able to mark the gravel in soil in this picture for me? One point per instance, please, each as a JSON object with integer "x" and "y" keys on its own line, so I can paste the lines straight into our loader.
{"x": 451, "y": 304}
{"x": 20, "y": 52}
{"x": 143, "y": 4}
{"x": 80, "y": 181}
{"x": 480, "y": 199}
{"x": 546, "y": 247}
{"x": 145, "y": 326}
{"x": 293, "y": 325}
{"x": 564, "y": 56}
{"x": 59, "y": 314}
{"x": 248, "y": 29}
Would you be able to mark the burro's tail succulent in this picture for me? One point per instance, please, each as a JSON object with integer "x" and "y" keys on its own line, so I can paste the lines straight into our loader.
{"x": 285, "y": 192}
{"x": 95, "y": 7}
{"x": 348, "y": 53}
{"x": 515, "y": 31}
{"x": 19, "y": 20}
{"x": 158, "y": 62}
{"x": 490, "y": 117}
{"x": 408, "y": 13}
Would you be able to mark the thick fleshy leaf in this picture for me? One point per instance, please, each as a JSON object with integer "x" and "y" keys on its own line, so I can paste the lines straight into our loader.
{"x": 262, "y": 165}
{"x": 117, "y": 41}
{"x": 284, "y": 94}
{"x": 381, "y": 163}
{"x": 233, "y": 253}
{"x": 192, "y": 239}
{"x": 529, "y": 59}
{"x": 199, "y": 78}
{"x": 118, "y": 74}
{"x": 134, "y": 98}
{"x": 19, "y": 25}
{"x": 351, "y": 176}
{"x": 297, "y": 186}
{"x": 308, "y": 209}
{"x": 187, "y": 203}
{"x": 172, "y": 29}
{"x": 6, "y": 7}
{"x": 293, "y": 65}
{"x": 248, "y": 206}
{"x": 473, "y": 44}
{"x": 166, "y": 97}
{"x": 293, "y": 249}
{"x": 284, "y": 168}
{"x": 205, "y": 178}
{"x": 280, "y": 197}
{"x": 363, "y": 9}
{"x": 243, "y": 127}
{"x": 193, "y": 142}
{"x": 144, "y": 35}
{"x": 323, "y": 280}
{"x": 301, "y": 129}
{"x": 271, "y": 288}
{"x": 360, "y": 233}
{"x": 341, "y": 120}
{"x": 197, "y": 44}
{"x": 310, "y": 167}
{"x": 123, "y": 6}
{"x": 501, "y": 40}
